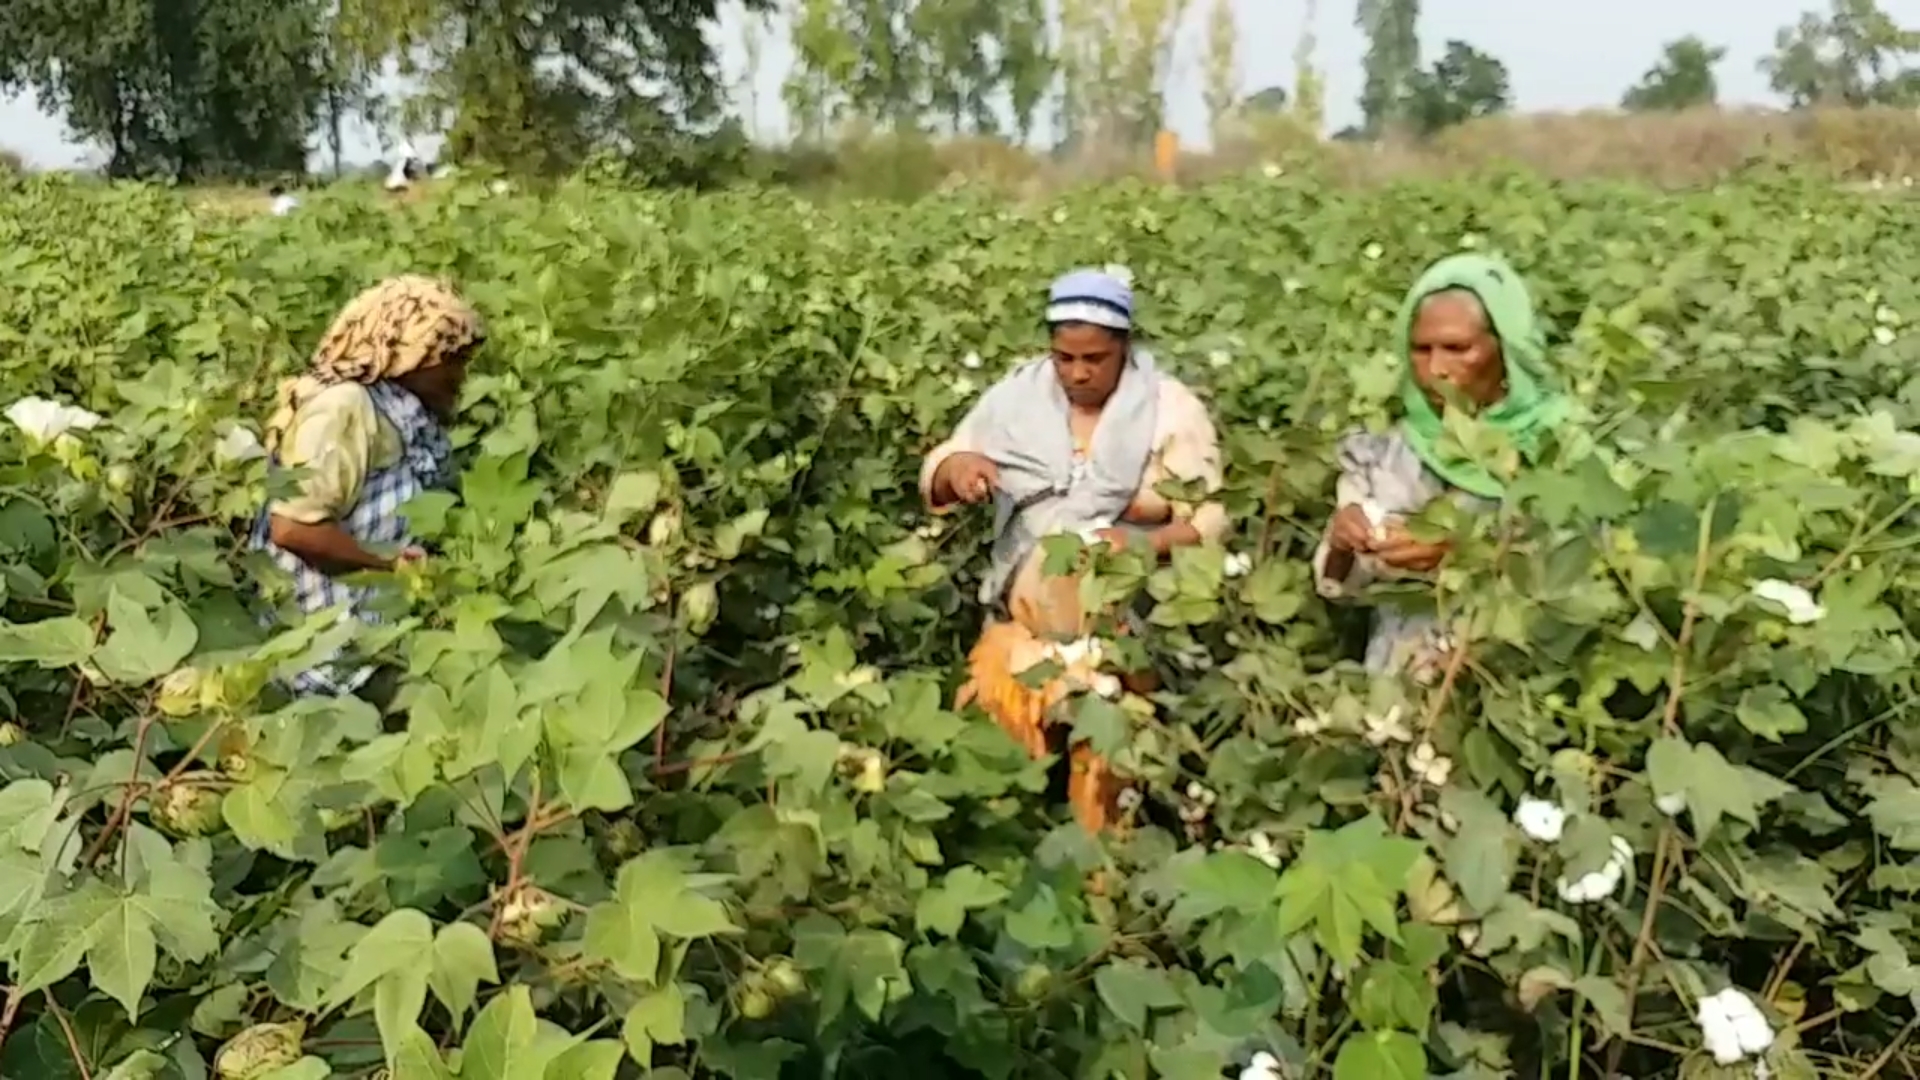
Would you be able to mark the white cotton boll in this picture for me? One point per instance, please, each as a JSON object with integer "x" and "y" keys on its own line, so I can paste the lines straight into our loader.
{"x": 1540, "y": 820}
{"x": 1754, "y": 1033}
{"x": 239, "y": 445}
{"x": 1263, "y": 848}
{"x": 1107, "y": 686}
{"x": 1801, "y": 608}
{"x": 1884, "y": 335}
{"x": 1622, "y": 854}
{"x": 1238, "y": 565}
{"x": 43, "y": 421}
{"x": 1374, "y": 251}
{"x": 1725, "y": 1049}
{"x": 1272, "y": 171}
{"x": 1671, "y": 805}
{"x": 971, "y": 361}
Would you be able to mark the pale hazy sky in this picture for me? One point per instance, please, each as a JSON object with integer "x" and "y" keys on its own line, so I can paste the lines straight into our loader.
{"x": 1561, "y": 55}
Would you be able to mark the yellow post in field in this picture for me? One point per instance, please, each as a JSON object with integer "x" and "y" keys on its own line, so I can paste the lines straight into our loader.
{"x": 1166, "y": 155}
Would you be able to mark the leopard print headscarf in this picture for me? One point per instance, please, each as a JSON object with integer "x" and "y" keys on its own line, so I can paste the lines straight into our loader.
{"x": 403, "y": 324}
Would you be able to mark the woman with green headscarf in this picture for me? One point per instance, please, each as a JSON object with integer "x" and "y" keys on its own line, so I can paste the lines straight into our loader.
{"x": 1469, "y": 336}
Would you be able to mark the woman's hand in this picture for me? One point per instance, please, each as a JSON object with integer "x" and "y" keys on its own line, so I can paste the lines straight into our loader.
{"x": 1351, "y": 530}
{"x": 1402, "y": 552}
{"x": 970, "y": 478}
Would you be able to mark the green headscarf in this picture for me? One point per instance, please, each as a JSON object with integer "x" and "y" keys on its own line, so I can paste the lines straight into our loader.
{"x": 1532, "y": 405}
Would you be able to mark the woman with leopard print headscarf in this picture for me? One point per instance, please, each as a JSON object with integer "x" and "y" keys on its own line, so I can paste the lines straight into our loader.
{"x": 363, "y": 430}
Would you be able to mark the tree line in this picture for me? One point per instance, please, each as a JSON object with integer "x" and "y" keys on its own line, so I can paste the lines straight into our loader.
{"x": 221, "y": 89}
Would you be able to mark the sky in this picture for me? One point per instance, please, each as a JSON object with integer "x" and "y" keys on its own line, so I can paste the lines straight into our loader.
{"x": 1561, "y": 55}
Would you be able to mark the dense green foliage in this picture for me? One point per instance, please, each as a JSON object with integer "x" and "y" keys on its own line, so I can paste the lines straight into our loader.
{"x": 669, "y": 777}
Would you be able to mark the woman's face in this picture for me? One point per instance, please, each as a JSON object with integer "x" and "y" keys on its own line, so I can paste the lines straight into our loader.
{"x": 1454, "y": 346}
{"x": 1088, "y": 359}
{"x": 438, "y": 387}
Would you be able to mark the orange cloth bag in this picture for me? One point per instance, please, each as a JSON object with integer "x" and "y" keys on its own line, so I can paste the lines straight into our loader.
{"x": 1043, "y": 609}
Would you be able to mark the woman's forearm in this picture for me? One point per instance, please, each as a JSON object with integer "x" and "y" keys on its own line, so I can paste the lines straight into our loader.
{"x": 1177, "y": 535}
{"x": 325, "y": 546}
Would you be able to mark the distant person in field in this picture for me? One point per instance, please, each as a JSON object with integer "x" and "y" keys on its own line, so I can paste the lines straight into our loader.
{"x": 1467, "y": 329}
{"x": 365, "y": 428}
{"x": 1074, "y": 442}
{"x": 406, "y": 170}
{"x": 283, "y": 202}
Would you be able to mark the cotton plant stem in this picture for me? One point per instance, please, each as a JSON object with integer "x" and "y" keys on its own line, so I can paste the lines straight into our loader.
{"x": 1663, "y": 855}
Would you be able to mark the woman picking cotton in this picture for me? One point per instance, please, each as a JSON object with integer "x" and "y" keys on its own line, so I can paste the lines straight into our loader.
{"x": 1075, "y": 442}
{"x": 1470, "y": 339}
{"x": 363, "y": 430}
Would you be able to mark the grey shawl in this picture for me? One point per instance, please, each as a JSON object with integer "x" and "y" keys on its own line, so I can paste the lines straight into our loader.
{"x": 1023, "y": 425}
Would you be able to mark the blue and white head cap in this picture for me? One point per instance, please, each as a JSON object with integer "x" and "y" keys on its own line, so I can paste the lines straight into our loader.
{"x": 1091, "y": 296}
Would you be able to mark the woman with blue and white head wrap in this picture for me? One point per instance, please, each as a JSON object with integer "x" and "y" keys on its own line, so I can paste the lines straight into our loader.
{"x": 1078, "y": 441}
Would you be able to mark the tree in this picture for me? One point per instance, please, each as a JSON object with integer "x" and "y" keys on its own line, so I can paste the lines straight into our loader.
{"x": 1309, "y": 87}
{"x": 1222, "y": 87}
{"x": 538, "y": 86}
{"x": 1115, "y": 59}
{"x": 1681, "y": 79}
{"x": 1462, "y": 85}
{"x": 1392, "y": 61}
{"x": 184, "y": 89}
{"x": 1856, "y": 56}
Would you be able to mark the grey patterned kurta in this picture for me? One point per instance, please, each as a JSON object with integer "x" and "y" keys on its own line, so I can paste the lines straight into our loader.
{"x": 1385, "y": 470}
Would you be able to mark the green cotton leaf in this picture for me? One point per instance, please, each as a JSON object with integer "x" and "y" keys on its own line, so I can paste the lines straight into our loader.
{"x": 1381, "y": 1055}
{"x": 28, "y": 809}
{"x": 1132, "y": 991}
{"x": 1389, "y": 995}
{"x": 259, "y": 816}
{"x": 591, "y": 779}
{"x": 943, "y": 908}
{"x": 731, "y": 538}
{"x": 687, "y": 915}
{"x": 417, "y": 1058}
{"x": 50, "y": 643}
{"x": 177, "y": 898}
{"x": 66, "y": 927}
{"x": 596, "y": 1059}
{"x": 1895, "y": 811}
{"x": 1344, "y": 882}
{"x": 1768, "y": 712}
{"x": 1275, "y": 592}
{"x": 916, "y": 715}
{"x": 632, "y": 494}
{"x": 1481, "y": 854}
{"x": 121, "y": 958}
{"x": 1225, "y": 881}
{"x": 1608, "y": 1002}
{"x": 1101, "y": 724}
{"x": 404, "y": 939}
{"x": 805, "y": 755}
{"x": 502, "y": 1044}
{"x": 620, "y": 932}
{"x": 307, "y": 1068}
{"x": 1713, "y": 787}
{"x": 142, "y": 646}
{"x": 140, "y": 1065}
{"x": 658, "y": 1019}
{"x": 398, "y": 997}
{"x": 462, "y": 960}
